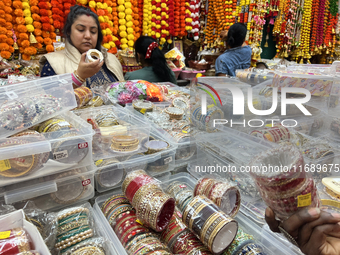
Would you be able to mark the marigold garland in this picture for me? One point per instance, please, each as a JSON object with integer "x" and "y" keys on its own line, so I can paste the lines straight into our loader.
{"x": 46, "y": 21}
{"x": 6, "y": 42}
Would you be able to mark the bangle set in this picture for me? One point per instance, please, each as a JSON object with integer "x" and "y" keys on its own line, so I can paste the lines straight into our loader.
{"x": 223, "y": 194}
{"x": 175, "y": 113}
{"x": 205, "y": 122}
{"x": 107, "y": 119}
{"x": 180, "y": 102}
{"x": 143, "y": 106}
{"x": 25, "y": 165}
{"x": 73, "y": 190}
{"x": 181, "y": 193}
{"x": 242, "y": 239}
{"x": 16, "y": 115}
{"x": 215, "y": 229}
{"x": 273, "y": 134}
{"x": 83, "y": 96}
{"x": 77, "y": 80}
{"x": 18, "y": 241}
{"x": 136, "y": 238}
{"x": 154, "y": 208}
{"x": 155, "y": 146}
{"x": 187, "y": 243}
{"x": 281, "y": 190}
{"x": 124, "y": 143}
{"x": 73, "y": 228}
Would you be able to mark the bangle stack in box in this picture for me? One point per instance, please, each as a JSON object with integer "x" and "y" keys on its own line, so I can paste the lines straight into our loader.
{"x": 283, "y": 184}
{"x": 223, "y": 194}
{"x": 154, "y": 208}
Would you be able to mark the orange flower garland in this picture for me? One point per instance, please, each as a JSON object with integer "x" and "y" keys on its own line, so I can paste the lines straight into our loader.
{"x": 5, "y": 41}
{"x": 46, "y": 21}
{"x": 57, "y": 13}
{"x": 135, "y": 15}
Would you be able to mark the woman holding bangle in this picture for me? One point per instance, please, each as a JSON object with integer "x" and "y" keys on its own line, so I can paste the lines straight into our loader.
{"x": 83, "y": 33}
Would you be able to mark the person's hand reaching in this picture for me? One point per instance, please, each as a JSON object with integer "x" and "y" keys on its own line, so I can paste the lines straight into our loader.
{"x": 316, "y": 232}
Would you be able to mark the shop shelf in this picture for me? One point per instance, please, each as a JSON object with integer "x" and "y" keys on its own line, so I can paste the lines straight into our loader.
{"x": 129, "y": 125}
{"x": 54, "y": 151}
{"x": 28, "y": 103}
{"x": 53, "y": 192}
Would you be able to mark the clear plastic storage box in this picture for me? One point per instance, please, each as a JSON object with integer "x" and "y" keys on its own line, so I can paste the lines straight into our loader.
{"x": 54, "y": 191}
{"x": 29, "y": 157}
{"x": 28, "y": 103}
{"x": 111, "y": 173}
{"x": 120, "y": 128}
{"x": 268, "y": 242}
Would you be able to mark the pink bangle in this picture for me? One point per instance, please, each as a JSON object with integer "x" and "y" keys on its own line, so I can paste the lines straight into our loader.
{"x": 75, "y": 80}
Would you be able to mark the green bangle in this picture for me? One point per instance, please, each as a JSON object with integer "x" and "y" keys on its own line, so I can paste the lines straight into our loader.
{"x": 60, "y": 235}
{"x": 73, "y": 220}
{"x": 71, "y": 217}
{"x": 72, "y": 234}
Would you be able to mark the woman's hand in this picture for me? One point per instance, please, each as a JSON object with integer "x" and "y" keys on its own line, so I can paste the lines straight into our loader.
{"x": 87, "y": 70}
{"x": 316, "y": 232}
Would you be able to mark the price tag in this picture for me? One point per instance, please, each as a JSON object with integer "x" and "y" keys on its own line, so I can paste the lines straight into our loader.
{"x": 210, "y": 106}
{"x": 138, "y": 221}
{"x": 143, "y": 110}
{"x": 269, "y": 125}
{"x": 98, "y": 162}
{"x": 304, "y": 200}
{"x": 86, "y": 182}
{"x": 60, "y": 155}
{"x": 167, "y": 160}
{"x": 265, "y": 77}
{"x": 58, "y": 38}
{"x": 83, "y": 145}
{"x": 5, "y": 234}
{"x": 182, "y": 186}
{"x": 5, "y": 165}
{"x": 185, "y": 132}
{"x": 179, "y": 214}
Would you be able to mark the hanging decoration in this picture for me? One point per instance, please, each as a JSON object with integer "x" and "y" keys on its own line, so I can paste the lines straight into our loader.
{"x": 6, "y": 41}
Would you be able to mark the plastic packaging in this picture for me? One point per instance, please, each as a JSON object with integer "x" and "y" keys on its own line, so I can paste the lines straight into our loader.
{"x": 282, "y": 181}
{"x": 29, "y": 253}
{"x": 75, "y": 225}
{"x": 154, "y": 208}
{"x": 28, "y": 103}
{"x": 181, "y": 193}
{"x": 125, "y": 92}
{"x": 15, "y": 241}
{"x": 89, "y": 246}
{"x": 225, "y": 195}
{"x": 214, "y": 228}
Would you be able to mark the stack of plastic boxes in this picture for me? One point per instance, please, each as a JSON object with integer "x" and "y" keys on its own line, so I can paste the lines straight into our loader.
{"x": 185, "y": 149}
{"x": 53, "y": 169}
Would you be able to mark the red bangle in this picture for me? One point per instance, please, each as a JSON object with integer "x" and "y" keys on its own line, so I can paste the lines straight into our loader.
{"x": 135, "y": 184}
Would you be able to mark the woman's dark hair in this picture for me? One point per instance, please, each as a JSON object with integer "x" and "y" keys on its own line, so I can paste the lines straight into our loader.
{"x": 157, "y": 59}
{"x": 75, "y": 12}
{"x": 236, "y": 35}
